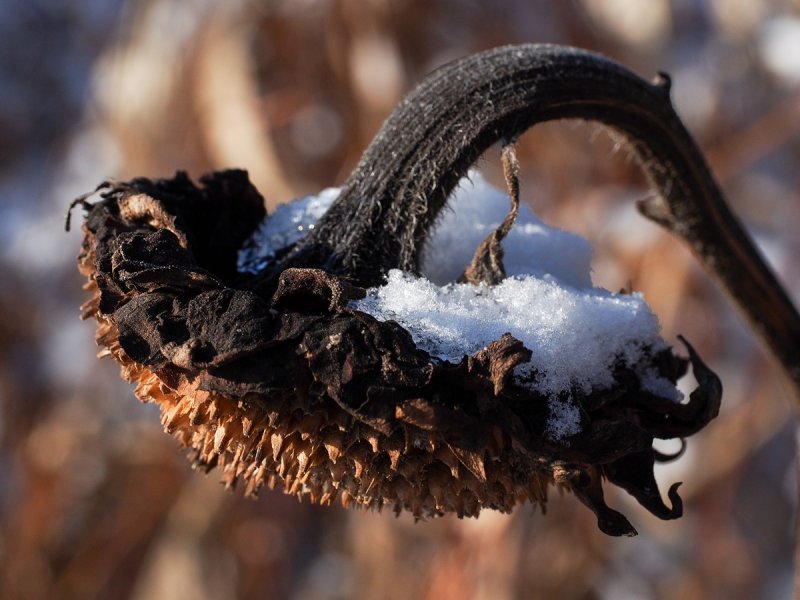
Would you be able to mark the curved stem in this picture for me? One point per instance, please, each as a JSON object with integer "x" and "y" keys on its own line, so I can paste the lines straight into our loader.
{"x": 388, "y": 204}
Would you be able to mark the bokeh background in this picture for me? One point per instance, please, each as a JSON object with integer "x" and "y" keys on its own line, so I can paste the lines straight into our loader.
{"x": 97, "y": 502}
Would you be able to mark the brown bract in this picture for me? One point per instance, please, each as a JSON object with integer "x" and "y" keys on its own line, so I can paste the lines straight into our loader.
{"x": 292, "y": 389}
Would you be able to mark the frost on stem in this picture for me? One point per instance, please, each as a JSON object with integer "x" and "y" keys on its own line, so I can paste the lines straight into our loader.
{"x": 288, "y": 372}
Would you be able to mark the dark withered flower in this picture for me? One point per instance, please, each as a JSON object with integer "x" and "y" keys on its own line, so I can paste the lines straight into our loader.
{"x": 278, "y": 379}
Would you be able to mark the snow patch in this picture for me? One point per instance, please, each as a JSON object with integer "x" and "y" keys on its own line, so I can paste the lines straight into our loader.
{"x": 287, "y": 225}
{"x": 576, "y": 334}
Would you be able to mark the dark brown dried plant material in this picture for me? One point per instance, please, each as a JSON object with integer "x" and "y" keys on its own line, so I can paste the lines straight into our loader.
{"x": 299, "y": 392}
{"x": 273, "y": 379}
{"x": 487, "y": 264}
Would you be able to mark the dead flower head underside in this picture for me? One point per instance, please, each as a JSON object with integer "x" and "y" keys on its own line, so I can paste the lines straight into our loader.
{"x": 297, "y": 391}
{"x": 273, "y": 378}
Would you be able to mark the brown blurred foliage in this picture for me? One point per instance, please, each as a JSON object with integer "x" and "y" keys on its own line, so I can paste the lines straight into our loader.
{"x": 96, "y": 502}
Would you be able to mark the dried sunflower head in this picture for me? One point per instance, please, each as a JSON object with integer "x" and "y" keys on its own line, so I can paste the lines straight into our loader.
{"x": 301, "y": 392}
{"x": 279, "y": 380}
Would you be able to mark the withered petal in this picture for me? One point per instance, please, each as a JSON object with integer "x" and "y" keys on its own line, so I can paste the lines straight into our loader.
{"x": 668, "y": 420}
{"x": 586, "y": 484}
{"x": 634, "y": 474}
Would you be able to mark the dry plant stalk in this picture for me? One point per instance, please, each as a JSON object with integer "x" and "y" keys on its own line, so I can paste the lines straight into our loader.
{"x": 275, "y": 380}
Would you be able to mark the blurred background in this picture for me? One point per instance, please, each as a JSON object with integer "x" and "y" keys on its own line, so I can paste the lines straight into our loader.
{"x": 97, "y": 502}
